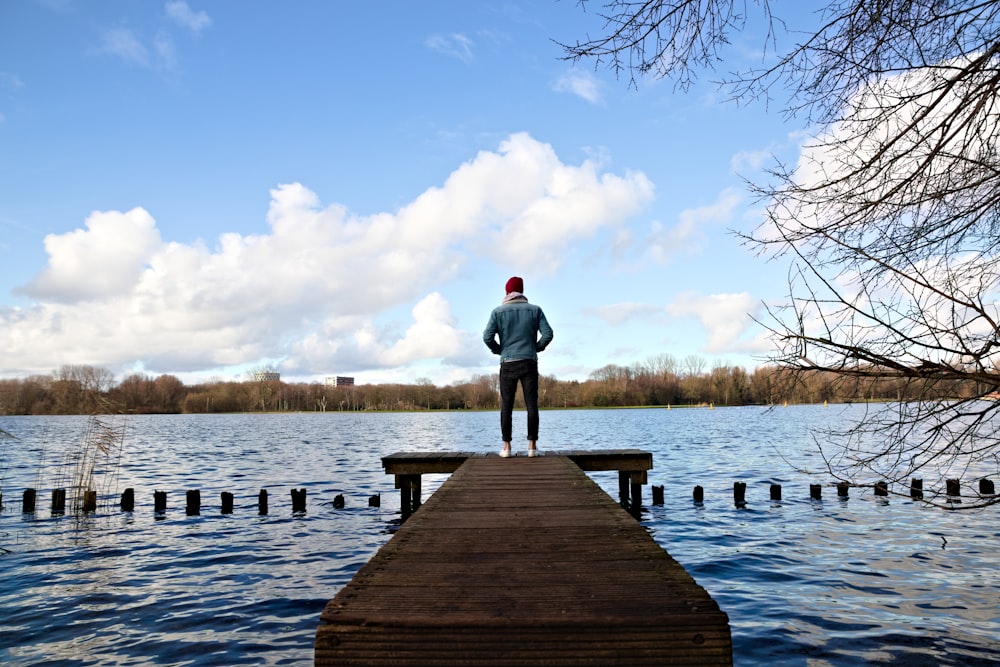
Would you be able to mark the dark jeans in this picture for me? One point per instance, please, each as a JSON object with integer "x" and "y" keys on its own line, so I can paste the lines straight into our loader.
{"x": 524, "y": 371}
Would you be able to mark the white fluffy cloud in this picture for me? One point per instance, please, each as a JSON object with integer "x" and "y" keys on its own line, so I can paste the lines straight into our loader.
{"x": 316, "y": 290}
{"x": 352, "y": 342}
{"x": 156, "y": 51}
{"x": 687, "y": 235}
{"x": 454, "y": 45}
{"x": 125, "y": 44}
{"x": 939, "y": 143}
{"x": 105, "y": 259}
{"x": 619, "y": 313}
{"x": 726, "y": 318}
{"x": 580, "y": 83}
{"x": 180, "y": 13}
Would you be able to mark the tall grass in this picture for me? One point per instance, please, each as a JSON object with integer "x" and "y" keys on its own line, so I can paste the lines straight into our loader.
{"x": 93, "y": 466}
{"x": 4, "y": 437}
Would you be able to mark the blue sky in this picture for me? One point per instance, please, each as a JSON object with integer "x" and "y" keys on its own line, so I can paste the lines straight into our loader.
{"x": 332, "y": 188}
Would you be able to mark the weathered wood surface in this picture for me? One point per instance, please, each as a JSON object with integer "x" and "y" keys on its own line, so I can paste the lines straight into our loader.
{"x": 522, "y": 562}
{"x": 631, "y": 464}
{"x": 591, "y": 460}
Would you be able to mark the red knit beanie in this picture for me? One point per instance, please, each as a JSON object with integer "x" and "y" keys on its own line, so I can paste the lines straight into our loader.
{"x": 515, "y": 284}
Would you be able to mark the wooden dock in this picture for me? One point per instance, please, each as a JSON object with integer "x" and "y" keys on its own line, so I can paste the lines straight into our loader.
{"x": 631, "y": 465}
{"x": 521, "y": 561}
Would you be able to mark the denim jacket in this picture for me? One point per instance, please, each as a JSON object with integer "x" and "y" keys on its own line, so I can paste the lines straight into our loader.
{"x": 518, "y": 324}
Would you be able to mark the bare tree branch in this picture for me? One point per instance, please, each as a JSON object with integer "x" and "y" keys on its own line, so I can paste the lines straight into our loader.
{"x": 890, "y": 218}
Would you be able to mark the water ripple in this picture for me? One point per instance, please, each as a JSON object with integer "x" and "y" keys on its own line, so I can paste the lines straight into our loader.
{"x": 830, "y": 582}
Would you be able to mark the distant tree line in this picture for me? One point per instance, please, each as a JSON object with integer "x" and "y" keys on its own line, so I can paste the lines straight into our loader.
{"x": 660, "y": 381}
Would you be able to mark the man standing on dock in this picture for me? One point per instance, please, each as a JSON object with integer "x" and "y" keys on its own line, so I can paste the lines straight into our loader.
{"x": 518, "y": 325}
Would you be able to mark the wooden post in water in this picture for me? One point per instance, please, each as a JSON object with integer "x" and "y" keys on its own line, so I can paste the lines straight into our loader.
{"x": 28, "y": 501}
{"x": 816, "y": 491}
{"x": 128, "y": 500}
{"x": 375, "y": 501}
{"x": 193, "y": 502}
{"x": 623, "y": 484}
{"x": 58, "y": 501}
{"x": 953, "y": 487}
{"x": 636, "y": 480}
{"x": 418, "y": 491}
{"x": 630, "y": 491}
{"x": 262, "y": 502}
{"x": 298, "y": 501}
{"x": 699, "y": 494}
{"x": 159, "y": 502}
{"x": 227, "y": 502}
{"x": 89, "y": 501}
{"x": 986, "y": 487}
{"x": 843, "y": 490}
{"x": 658, "y": 495}
{"x": 338, "y": 501}
{"x": 409, "y": 494}
{"x": 740, "y": 493}
{"x": 776, "y": 492}
{"x": 916, "y": 488}
{"x": 881, "y": 488}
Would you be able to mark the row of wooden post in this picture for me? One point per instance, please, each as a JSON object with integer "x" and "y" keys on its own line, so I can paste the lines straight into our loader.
{"x": 953, "y": 489}
{"x": 192, "y": 505}
{"x": 193, "y": 497}
{"x": 58, "y": 501}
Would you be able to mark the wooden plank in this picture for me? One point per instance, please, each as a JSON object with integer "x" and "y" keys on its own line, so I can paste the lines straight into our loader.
{"x": 522, "y": 562}
{"x": 631, "y": 464}
{"x": 418, "y": 463}
{"x": 591, "y": 460}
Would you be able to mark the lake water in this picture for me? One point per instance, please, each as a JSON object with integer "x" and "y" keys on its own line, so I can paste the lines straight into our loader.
{"x": 829, "y": 582}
